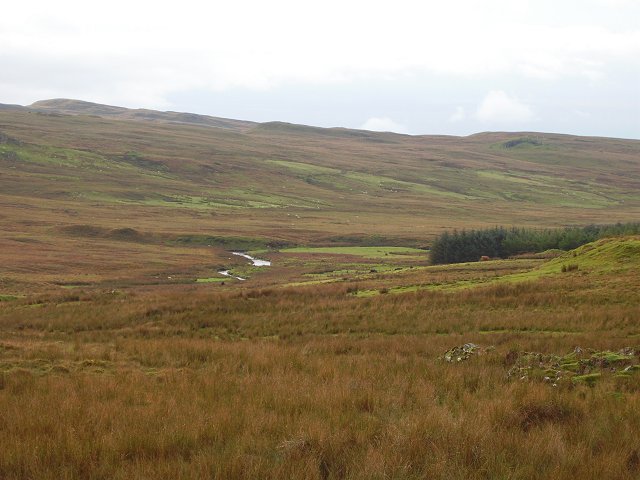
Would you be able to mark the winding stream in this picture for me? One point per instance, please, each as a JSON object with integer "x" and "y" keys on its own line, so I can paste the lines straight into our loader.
{"x": 227, "y": 273}
{"x": 255, "y": 261}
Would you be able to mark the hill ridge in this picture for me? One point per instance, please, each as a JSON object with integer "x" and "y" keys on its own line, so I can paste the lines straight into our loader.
{"x": 80, "y": 107}
{"x": 299, "y": 183}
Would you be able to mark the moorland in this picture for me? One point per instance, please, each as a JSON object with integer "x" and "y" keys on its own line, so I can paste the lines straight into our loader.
{"x": 125, "y": 354}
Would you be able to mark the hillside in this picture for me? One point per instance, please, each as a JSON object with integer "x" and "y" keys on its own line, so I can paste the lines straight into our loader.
{"x": 65, "y": 163}
{"x": 182, "y": 300}
{"x": 63, "y": 106}
{"x": 608, "y": 255}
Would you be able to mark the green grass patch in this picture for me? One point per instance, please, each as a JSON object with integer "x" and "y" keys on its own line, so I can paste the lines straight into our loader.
{"x": 545, "y": 189}
{"x": 355, "y": 180}
{"x": 214, "y": 279}
{"x": 387, "y": 290}
{"x": 588, "y": 379}
{"x": 360, "y": 270}
{"x": 368, "y": 252}
{"x": 602, "y": 256}
{"x": 310, "y": 282}
{"x": 304, "y": 168}
{"x": 605, "y": 255}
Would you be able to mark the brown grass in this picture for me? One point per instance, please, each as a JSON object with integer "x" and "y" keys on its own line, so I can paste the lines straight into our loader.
{"x": 313, "y": 383}
{"x": 72, "y": 171}
{"x": 109, "y": 369}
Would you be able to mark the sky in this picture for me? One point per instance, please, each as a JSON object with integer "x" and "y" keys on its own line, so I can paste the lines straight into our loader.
{"x": 418, "y": 67}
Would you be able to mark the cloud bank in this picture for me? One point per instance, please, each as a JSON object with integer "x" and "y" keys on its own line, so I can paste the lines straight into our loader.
{"x": 498, "y": 107}
{"x": 147, "y": 54}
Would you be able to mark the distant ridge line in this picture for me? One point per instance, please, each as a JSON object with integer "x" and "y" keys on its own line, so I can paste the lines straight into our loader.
{"x": 80, "y": 107}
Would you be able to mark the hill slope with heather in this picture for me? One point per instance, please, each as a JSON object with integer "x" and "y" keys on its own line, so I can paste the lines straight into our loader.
{"x": 69, "y": 168}
{"x": 139, "y": 338}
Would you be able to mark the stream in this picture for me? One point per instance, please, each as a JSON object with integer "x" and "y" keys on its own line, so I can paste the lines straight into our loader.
{"x": 255, "y": 261}
{"x": 227, "y": 273}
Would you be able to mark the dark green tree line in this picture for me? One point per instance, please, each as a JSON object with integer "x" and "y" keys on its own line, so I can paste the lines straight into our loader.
{"x": 501, "y": 242}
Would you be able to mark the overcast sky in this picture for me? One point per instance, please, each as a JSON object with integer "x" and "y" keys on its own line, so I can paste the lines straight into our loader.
{"x": 419, "y": 67}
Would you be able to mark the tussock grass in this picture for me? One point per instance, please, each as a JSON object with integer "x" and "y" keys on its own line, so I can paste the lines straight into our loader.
{"x": 298, "y": 186}
{"x": 312, "y": 382}
{"x": 116, "y": 364}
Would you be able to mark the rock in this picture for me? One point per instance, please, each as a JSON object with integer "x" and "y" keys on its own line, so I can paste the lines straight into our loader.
{"x": 461, "y": 353}
{"x": 581, "y": 366}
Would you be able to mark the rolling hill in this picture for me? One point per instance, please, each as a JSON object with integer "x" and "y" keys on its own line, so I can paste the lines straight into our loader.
{"x": 135, "y": 344}
{"x": 69, "y": 167}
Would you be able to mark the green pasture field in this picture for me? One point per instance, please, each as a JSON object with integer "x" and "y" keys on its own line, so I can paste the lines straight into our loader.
{"x": 368, "y": 252}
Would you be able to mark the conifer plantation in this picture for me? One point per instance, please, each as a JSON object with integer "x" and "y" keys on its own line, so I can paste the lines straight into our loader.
{"x": 500, "y": 242}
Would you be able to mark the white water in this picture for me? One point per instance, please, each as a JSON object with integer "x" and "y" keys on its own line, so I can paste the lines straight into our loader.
{"x": 256, "y": 262}
{"x": 226, "y": 273}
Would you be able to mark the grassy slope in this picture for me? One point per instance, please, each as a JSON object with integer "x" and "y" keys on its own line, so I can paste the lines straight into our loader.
{"x": 291, "y": 374}
{"x": 288, "y": 183}
{"x": 612, "y": 254}
{"x": 327, "y": 181}
{"x": 313, "y": 382}
{"x": 608, "y": 256}
{"x": 76, "y": 107}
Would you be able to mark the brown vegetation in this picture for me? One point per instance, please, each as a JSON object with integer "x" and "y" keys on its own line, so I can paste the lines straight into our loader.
{"x": 116, "y": 364}
{"x": 314, "y": 383}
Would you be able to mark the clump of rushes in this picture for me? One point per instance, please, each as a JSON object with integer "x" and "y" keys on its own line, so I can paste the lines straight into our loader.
{"x": 569, "y": 268}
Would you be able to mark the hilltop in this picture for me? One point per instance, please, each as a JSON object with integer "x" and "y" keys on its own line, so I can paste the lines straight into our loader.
{"x": 65, "y": 106}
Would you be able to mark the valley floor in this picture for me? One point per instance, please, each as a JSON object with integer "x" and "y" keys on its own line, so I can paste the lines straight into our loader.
{"x": 330, "y": 365}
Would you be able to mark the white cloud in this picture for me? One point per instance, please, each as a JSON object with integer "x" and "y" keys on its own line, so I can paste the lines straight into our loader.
{"x": 458, "y": 115}
{"x": 618, "y": 3}
{"x": 582, "y": 113}
{"x": 498, "y": 107}
{"x": 259, "y": 45}
{"x": 383, "y": 124}
{"x": 154, "y": 53}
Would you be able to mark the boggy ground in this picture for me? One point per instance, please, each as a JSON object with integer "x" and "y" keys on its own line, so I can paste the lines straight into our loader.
{"x": 250, "y": 381}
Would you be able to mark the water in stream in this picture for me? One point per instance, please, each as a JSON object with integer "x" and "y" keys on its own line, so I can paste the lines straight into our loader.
{"x": 255, "y": 261}
{"x": 227, "y": 273}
